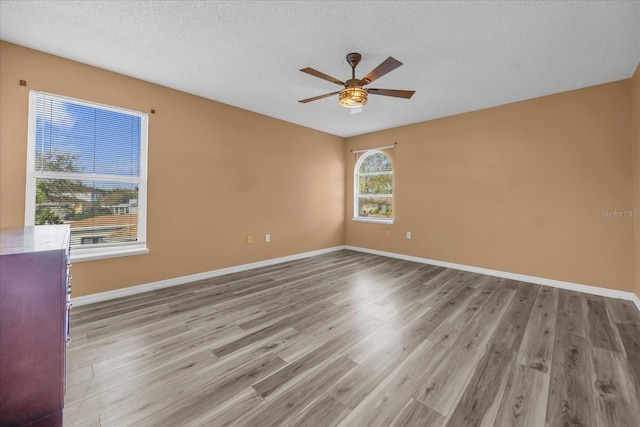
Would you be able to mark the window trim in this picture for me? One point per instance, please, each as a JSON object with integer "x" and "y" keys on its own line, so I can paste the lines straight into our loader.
{"x": 356, "y": 188}
{"x": 98, "y": 251}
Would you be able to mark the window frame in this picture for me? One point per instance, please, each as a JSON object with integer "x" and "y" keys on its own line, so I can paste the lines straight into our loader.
{"x": 356, "y": 188}
{"x": 92, "y": 251}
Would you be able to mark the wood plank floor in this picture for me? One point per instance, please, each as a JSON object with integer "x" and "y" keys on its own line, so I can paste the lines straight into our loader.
{"x": 353, "y": 339}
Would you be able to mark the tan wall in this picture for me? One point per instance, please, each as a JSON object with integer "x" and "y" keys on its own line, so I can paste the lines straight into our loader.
{"x": 635, "y": 139}
{"x": 517, "y": 188}
{"x": 216, "y": 174}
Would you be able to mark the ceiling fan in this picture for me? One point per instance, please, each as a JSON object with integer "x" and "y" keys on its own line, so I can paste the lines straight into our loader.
{"x": 354, "y": 95}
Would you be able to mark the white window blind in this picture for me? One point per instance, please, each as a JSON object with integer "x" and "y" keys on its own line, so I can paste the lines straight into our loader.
{"x": 87, "y": 168}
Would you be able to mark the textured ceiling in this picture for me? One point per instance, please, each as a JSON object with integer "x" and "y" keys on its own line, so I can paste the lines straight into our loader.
{"x": 458, "y": 56}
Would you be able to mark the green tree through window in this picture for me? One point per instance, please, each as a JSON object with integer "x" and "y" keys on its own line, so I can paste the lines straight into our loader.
{"x": 54, "y": 193}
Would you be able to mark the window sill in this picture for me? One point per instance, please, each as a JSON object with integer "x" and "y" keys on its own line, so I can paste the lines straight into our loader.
{"x": 374, "y": 220}
{"x": 84, "y": 254}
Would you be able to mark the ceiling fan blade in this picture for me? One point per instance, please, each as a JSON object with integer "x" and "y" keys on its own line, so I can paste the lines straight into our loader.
{"x": 323, "y": 76}
{"x": 387, "y": 66}
{"x": 304, "y": 101}
{"x": 392, "y": 92}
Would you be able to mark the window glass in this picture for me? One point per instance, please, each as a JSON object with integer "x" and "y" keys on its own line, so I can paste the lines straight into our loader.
{"x": 373, "y": 187}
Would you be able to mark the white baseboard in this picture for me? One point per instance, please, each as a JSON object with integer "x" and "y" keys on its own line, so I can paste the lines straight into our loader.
{"x": 587, "y": 289}
{"x": 132, "y": 290}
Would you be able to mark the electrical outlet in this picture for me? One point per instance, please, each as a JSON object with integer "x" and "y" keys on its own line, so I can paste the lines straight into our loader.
{"x": 249, "y": 239}
{"x": 267, "y": 238}
{"x": 408, "y": 235}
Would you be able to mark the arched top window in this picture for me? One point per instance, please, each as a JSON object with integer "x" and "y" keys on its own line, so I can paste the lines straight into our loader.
{"x": 373, "y": 187}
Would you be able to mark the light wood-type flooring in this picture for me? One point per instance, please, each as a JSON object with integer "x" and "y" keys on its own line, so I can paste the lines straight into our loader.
{"x": 353, "y": 339}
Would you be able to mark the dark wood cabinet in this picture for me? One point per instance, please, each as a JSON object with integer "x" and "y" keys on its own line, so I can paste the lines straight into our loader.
{"x": 34, "y": 324}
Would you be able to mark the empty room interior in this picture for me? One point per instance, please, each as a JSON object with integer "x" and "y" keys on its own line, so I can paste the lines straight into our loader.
{"x": 320, "y": 213}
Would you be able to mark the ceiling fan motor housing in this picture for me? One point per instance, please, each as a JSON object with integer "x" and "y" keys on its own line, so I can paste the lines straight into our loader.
{"x": 352, "y": 83}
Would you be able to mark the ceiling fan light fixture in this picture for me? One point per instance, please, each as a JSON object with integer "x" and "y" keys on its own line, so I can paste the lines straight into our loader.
{"x": 353, "y": 97}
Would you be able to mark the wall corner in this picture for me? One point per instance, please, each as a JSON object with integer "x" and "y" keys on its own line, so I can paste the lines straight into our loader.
{"x": 635, "y": 144}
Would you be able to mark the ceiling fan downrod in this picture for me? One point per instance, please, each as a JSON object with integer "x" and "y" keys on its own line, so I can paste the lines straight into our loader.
{"x": 353, "y": 59}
